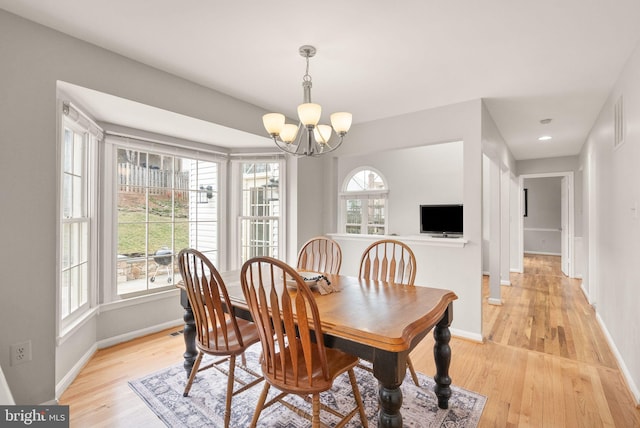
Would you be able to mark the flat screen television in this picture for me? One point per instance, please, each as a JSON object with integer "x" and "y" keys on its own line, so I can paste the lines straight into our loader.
{"x": 441, "y": 221}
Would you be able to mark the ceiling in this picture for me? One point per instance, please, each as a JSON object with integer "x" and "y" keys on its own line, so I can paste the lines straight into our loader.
{"x": 528, "y": 60}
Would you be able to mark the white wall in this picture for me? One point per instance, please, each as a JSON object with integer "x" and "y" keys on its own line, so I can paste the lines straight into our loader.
{"x": 458, "y": 122}
{"x": 431, "y": 174}
{"x": 612, "y": 226}
{"x": 33, "y": 59}
{"x": 500, "y": 164}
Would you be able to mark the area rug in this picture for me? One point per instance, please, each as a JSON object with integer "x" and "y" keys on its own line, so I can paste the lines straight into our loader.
{"x": 204, "y": 407}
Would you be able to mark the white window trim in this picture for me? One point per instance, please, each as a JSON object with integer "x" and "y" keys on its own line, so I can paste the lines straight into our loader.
{"x": 70, "y": 115}
{"x": 235, "y": 201}
{"x": 109, "y": 208}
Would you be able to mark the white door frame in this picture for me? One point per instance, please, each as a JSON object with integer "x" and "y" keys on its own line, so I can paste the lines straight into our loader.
{"x": 571, "y": 217}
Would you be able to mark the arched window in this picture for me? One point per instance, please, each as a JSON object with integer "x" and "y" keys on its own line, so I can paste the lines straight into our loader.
{"x": 364, "y": 202}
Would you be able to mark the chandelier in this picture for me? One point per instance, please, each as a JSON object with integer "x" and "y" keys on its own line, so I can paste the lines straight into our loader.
{"x": 307, "y": 138}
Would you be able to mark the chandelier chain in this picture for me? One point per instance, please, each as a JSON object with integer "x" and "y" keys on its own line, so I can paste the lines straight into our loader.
{"x": 307, "y": 76}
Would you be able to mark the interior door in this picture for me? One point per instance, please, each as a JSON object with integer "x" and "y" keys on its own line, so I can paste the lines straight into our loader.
{"x": 564, "y": 221}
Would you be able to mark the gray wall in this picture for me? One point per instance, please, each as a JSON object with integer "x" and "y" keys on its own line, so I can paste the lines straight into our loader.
{"x": 543, "y": 221}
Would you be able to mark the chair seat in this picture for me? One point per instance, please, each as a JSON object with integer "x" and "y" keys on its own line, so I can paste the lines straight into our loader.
{"x": 218, "y": 346}
{"x": 338, "y": 363}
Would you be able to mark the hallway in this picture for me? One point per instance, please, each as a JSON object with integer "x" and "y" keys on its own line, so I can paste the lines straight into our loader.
{"x": 545, "y": 362}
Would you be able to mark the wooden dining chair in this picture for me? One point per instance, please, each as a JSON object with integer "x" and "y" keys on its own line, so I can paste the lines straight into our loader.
{"x": 219, "y": 332}
{"x": 320, "y": 254}
{"x": 392, "y": 261}
{"x": 294, "y": 357}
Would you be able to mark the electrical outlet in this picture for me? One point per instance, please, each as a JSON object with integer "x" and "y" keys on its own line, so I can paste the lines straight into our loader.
{"x": 20, "y": 352}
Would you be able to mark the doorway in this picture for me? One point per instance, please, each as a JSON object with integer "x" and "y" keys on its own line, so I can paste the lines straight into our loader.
{"x": 566, "y": 196}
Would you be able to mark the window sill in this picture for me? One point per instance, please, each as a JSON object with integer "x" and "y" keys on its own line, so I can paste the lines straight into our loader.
{"x": 72, "y": 327}
{"x": 413, "y": 239}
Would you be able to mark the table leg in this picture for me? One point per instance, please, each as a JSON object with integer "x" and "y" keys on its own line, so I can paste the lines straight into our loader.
{"x": 442, "y": 356}
{"x": 191, "y": 352}
{"x": 389, "y": 392}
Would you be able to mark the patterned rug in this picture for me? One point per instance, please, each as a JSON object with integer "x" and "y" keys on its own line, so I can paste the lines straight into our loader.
{"x": 204, "y": 407}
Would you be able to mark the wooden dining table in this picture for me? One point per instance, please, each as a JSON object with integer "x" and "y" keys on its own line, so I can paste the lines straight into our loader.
{"x": 377, "y": 321}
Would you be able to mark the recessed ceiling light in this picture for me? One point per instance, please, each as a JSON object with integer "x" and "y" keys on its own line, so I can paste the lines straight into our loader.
{"x": 544, "y": 138}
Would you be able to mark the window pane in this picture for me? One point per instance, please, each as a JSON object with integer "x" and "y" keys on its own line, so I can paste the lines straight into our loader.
{"x": 67, "y": 160}
{"x": 78, "y": 154}
{"x": 64, "y": 294}
{"x": 67, "y": 196}
{"x": 77, "y": 184}
{"x": 184, "y": 203}
{"x": 373, "y": 230}
{"x": 354, "y": 211}
{"x": 160, "y": 237}
{"x": 66, "y": 246}
{"x": 160, "y": 205}
{"x": 74, "y": 283}
{"x": 74, "y": 243}
{"x": 365, "y": 180}
{"x": 376, "y": 211}
{"x": 261, "y": 209}
{"x": 161, "y": 210}
{"x": 353, "y": 229}
{"x": 132, "y": 239}
{"x": 83, "y": 251}
{"x": 84, "y": 279}
{"x": 132, "y": 204}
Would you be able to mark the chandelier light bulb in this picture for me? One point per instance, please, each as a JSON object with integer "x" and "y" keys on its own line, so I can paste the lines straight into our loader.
{"x": 322, "y": 134}
{"x": 288, "y": 133}
{"x": 341, "y": 122}
{"x": 273, "y": 123}
{"x": 309, "y": 114}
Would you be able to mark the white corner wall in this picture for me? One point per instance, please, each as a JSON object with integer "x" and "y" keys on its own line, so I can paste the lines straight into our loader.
{"x": 611, "y": 230}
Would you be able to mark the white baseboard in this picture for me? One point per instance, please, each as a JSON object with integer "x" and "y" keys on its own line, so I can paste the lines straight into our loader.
{"x": 466, "y": 335}
{"x": 494, "y": 301}
{"x": 542, "y": 253}
{"x": 584, "y": 292}
{"x": 74, "y": 372}
{"x": 505, "y": 282}
{"x": 105, "y": 343}
{"x": 635, "y": 392}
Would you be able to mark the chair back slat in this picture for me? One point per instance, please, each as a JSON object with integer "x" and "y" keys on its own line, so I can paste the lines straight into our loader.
{"x": 207, "y": 295}
{"x": 320, "y": 254}
{"x": 388, "y": 260}
{"x": 285, "y": 312}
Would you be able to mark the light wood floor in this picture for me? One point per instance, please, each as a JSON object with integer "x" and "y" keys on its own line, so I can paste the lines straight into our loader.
{"x": 545, "y": 363}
